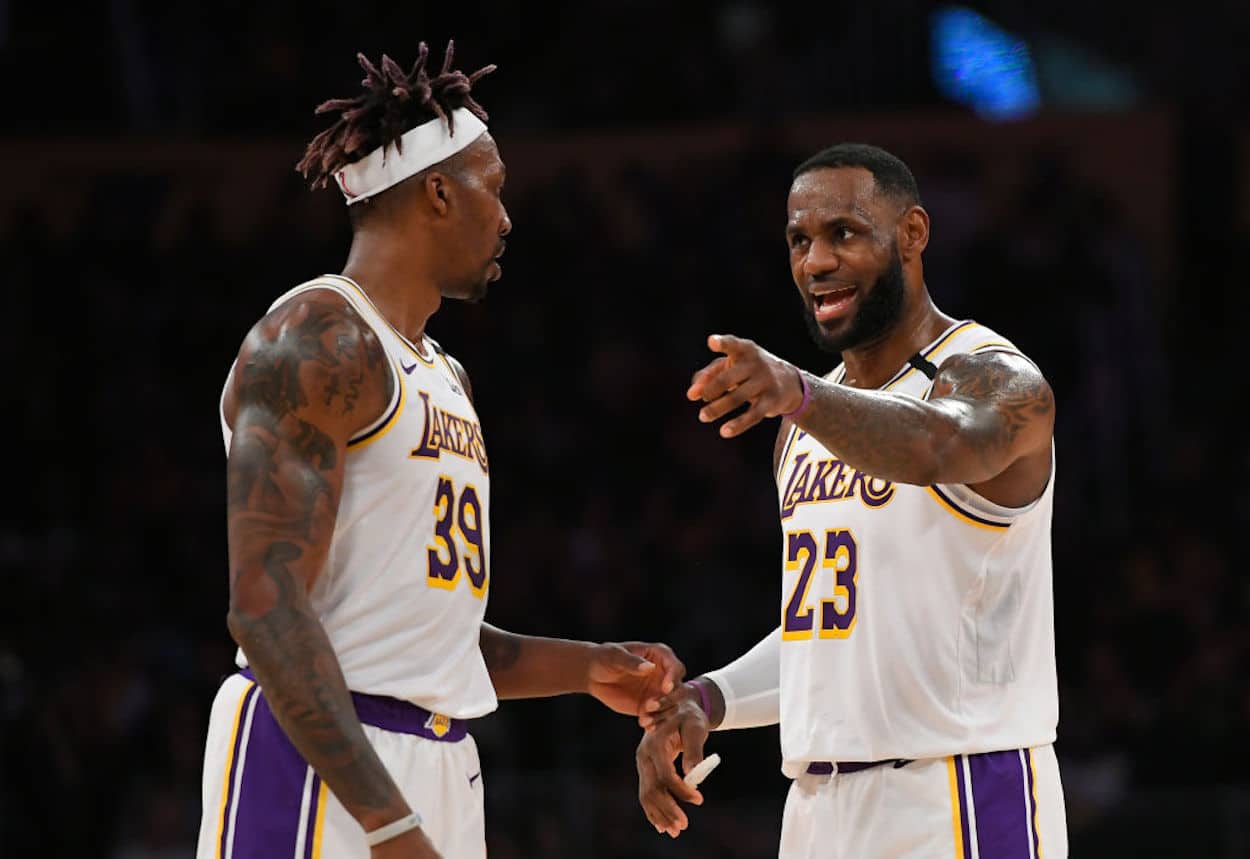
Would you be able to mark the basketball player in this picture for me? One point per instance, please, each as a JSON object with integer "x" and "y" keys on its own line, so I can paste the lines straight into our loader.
{"x": 359, "y": 526}
{"x": 913, "y": 671}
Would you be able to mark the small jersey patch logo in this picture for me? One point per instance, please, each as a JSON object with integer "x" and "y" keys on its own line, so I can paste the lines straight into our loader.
{"x": 438, "y": 724}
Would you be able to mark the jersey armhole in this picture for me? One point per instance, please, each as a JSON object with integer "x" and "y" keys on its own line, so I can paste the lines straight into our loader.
{"x": 360, "y": 304}
{"x": 389, "y": 415}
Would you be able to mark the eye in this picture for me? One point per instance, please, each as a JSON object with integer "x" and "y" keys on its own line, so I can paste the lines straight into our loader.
{"x": 798, "y": 240}
{"x": 844, "y": 233}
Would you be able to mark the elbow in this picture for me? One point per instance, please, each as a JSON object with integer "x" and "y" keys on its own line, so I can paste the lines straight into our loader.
{"x": 937, "y": 462}
{"x": 924, "y": 464}
{"x": 240, "y": 624}
{"x": 929, "y": 469}
{"x": 250, "y": 602}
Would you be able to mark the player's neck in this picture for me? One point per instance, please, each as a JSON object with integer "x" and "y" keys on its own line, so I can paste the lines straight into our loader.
{"x": 397, "y": 281}
{"x": 874, "y": 364}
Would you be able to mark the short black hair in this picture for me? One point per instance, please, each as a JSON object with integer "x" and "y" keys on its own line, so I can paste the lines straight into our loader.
{"x": 892, "y": 176}
{"x": 392, "y": 103}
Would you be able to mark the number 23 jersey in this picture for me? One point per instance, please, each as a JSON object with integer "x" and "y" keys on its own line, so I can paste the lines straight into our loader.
{"x": 917, "y": 621}
{"x": 404, "y": 589}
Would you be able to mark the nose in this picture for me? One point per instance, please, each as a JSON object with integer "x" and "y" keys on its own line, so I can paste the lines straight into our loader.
{"x": 821, "y": 259}
{"x": 505, "y": 225}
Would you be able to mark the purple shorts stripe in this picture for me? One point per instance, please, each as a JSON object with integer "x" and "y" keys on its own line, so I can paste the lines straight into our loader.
{"x": 314, "y": 819}
{"x": 1002, "y": 811}
{"x": 1037, "y": 837}
{"x": 271, "y": 794}
{"x": 962, "y": 789}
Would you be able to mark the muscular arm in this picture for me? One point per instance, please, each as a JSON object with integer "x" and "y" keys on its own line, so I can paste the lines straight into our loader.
{"x": 527, "y": 666}
{"x": 988, "y": 424}
{"x": 309, "y": 375}
{"x": 987, "y": 413}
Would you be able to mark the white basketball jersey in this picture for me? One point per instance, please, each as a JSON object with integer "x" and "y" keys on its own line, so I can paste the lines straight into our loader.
{"x": 403, "y": 592}
{"x": 917, "y": 621}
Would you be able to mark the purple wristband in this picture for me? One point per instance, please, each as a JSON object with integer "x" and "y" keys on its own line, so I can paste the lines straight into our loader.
{"x": 807, "y": 397}
{"x": 703, "y": 699}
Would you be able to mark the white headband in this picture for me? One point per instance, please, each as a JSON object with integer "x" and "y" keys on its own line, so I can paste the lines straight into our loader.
{"x": 424, "y": 146}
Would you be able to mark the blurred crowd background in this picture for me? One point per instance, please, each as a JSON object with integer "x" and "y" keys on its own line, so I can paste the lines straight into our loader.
{"x": 1089, "y": 183}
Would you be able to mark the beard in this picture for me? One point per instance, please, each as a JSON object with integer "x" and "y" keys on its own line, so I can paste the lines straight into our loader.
{"x": 471, "y": 290}
{"x": 477, "y": 292}
{"x": 881, "y": 310}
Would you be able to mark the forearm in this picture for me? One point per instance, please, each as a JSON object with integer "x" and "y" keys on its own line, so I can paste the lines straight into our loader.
{"x": 526, "y": 666}
{"x": 891, "y": 436}
{"x": 746, "y": 693}
{"x": 298, "y": 671}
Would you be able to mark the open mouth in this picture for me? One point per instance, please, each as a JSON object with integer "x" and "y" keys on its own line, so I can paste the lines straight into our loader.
{"x": 833, "y": 303}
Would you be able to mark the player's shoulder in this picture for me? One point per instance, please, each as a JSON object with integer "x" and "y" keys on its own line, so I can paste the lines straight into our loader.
{"x": 971, "y": 346}
{"x": 312, "y": 341}
{"x": 988, "y": 371}
{"x": 317, "y": 324}
{"x": 1003, "y": 376}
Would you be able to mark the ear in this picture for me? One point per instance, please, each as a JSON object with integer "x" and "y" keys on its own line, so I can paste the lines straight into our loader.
{"x": 438, "y": 192}
{"x": 913, "y": 233}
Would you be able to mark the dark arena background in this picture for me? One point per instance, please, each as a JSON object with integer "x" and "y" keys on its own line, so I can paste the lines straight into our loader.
{"x": 1087, "y": 169}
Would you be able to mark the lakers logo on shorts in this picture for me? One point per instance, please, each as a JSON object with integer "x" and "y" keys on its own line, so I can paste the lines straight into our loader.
{"x": 438, "y": 724}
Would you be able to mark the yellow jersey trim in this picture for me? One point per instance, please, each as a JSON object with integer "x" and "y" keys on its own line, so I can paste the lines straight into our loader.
{"x": 785, "y": 451}
{"x": 994, "y": 344}
{"x": 429, "y": 362}
{"x": 383, "y": 428}
{"x": 928, "y": 354}
{"x": 967, "y": 516}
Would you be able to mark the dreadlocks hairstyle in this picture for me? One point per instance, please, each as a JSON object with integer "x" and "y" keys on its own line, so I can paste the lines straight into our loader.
{"x": 392, "y": 104}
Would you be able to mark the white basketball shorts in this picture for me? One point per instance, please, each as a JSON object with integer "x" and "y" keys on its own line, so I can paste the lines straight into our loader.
{"x": 997, "y": 805}
{"x": 262, "y": 801}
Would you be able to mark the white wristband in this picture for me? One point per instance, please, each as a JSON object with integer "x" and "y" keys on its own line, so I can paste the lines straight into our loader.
{"x": 393, "y": 829}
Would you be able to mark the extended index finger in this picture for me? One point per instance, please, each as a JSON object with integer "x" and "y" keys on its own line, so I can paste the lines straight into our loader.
{"x": 727, "y": 343}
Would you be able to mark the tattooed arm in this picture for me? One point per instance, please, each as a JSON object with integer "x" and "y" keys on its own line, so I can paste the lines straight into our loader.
{"x": 309, "y": 375}
{"x": 990, "y": 415}
{"x": 988, "y": 422}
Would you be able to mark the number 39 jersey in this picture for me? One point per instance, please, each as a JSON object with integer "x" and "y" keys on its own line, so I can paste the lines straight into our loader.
{"x": 917, "y": 621}
{"x": 404, "y": 588}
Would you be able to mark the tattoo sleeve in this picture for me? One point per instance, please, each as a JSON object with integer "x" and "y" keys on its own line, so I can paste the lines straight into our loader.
{"x": 301, "y": 377}
{"x": 986, "y": 411}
